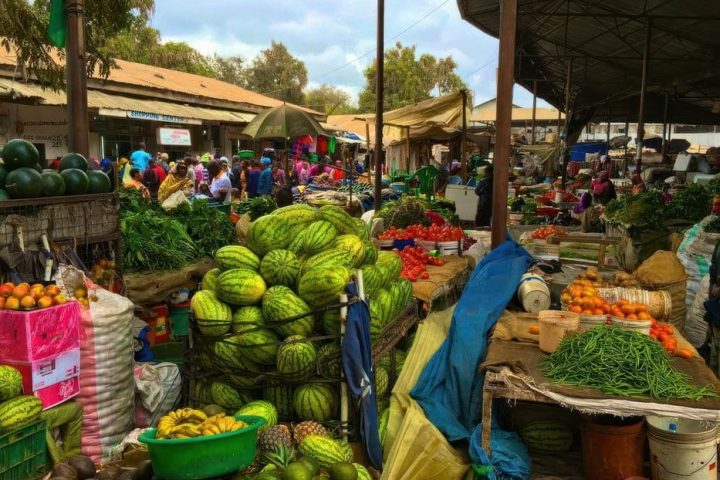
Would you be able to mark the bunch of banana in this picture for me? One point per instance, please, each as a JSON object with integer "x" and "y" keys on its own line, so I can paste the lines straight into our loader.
{"x": 221, "y": 423}
{"x": 183, "y": 423}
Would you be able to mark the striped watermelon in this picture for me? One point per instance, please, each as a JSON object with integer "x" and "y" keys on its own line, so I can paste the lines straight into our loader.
{"x": 236, "y": 256}
{"x": 296, "y": 358}
{"x": 210, "y": 279}
{"x": 340, "y": 219}
{"x": 377, "y": 322}
{"x": 361, "y": 229}
{"x": 331, "y": 321}
{"x": 296, "y": 214}
{"x": 247, "y": 317}
{"x": 390, "y": 265}
{"x": 19, "y": 411}
{"x": 362, "y": 472}
{"x": 211, "y": 315}
{"x": 227, "y": 397}
{"x": 241, "y": 381}
{"x": 227, "y": 355}
{"x": 382, "y": 382}
{"x": 384, "y": 298}
{"x": 382, "y": 425}
{"x": 281, "y": 396}
{"x": 329, "y": 361}
{"x": 322, "y": 286}
{"x": 325, "y": 451}
{"x": 372, "y": 279}
{"x": 280, "y": 304}
{"x": 269, "y": 232}
{"x": 260, "y": 408}
{"x": 298, "y": 242}
{"x": 240, "y": 286}
{"x": 547, "y": 436}
{"x": 280, "y": 267}
{"x": 259, "y": 345}
{"x": 371, "y": 254}
{"x": 10, "y": 383}
{"x": 353, "y": 246}
{"x": 329, "y": 258}
{"x": 318, "y": 236}
{"x": 202, "y": 395}
{"x": 315, "y": 401}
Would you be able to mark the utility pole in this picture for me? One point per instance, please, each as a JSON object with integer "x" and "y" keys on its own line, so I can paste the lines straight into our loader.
{"x": 76, "y": 79}
{"x": 379, "y": 102}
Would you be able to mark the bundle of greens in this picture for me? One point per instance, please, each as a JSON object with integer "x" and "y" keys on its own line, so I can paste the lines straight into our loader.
{"x": 256, "y": 207}
{"x": 691, "y": 203}
{"x": 403, "y": 213}
{"x": 646, "y": 209}
{"x": 208, "y": 227}
{"x": 132, "y": 202}
{"x": 154, "y": 242}
{"x": 621, "y": 362}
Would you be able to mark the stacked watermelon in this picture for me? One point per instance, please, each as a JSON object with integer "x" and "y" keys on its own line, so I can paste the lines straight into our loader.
{"x": 16, "y": 410}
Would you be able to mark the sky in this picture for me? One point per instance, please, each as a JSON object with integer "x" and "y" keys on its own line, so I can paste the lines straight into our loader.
{"x": 335, "y": 39}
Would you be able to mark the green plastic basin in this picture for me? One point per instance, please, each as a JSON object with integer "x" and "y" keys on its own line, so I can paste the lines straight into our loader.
{"x": 203, "y": 457}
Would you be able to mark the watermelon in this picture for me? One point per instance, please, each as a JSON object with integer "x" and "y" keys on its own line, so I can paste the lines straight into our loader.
{"x": 361, "y": 229}
{"x": 296, "y": 358}
{"x": 240, "y": 381}
{"x": 280, "y": 396}
{"x": 76, "y": 181}
{"x": 296, "y": 214}
{"x": 240, "y": 286}
{"x": 280, "y": 267}
{"x": 99, "y": 182}
{"x": 210, "y": 279}
{"x": 24, "y": 182}
{"x": 19, "y": 411}
{"x": 316, "y": 402}
{"x": 3, "y": 176}
{"x": 318, "y": 236}
{"x": 362, "y": 473}
{"x": 377, "y": 322}
{"x": 201, "y": 394}
{"x": 10, "y": 383}
{"x": 212, "y": 316}
{"x": 73, "y": 160}
{"x": 322, "y": 286}
{"x": 297, "y": 243}
{"x": 263, "y": 409}
{"x": 547, "y": 437}
{"x": 228, "y": 397}
{"x": 390, "y": 266}
{"x": 247, "y": 317}
{"x": 236, "y": 256}
{"x": 53, "y": 184}
{"x": 329, "y": 361}
{"x": 328, "y": 258}
{"x": 384, "y": 299}
{"x": 353, "y": 246}
{"x": 19, "y": 153}
{"x": 268, "y": 233}
{"x": 382, "y": 382}
{"x": 279, "y": 305}
{"x": 257, "y": 344}
{"x": 331, "y": 321}
{"x": 325, "y": 451}
{"x": 227, "y": 355}
{"x": 371, "y": 253}
{"x": 4, "y": 195}
{"x": 371, "y": 279}
{"x": 340, "y": 219}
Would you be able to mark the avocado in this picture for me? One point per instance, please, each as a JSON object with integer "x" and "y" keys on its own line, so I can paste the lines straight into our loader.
{"x": 311, "y": 464}
{"x": 343, "y": 471}
{"x": 212, "y": 409}
{"x": 110, "y": 473}
{"x": 84, "y": 465}
{"x": 64, "y": 470}
{"x": 298, "y": 471}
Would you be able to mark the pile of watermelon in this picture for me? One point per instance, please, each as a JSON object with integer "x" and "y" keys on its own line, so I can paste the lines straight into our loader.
{"x": 16, "y": 410}
{"x": 268, "y": 314}
{"x": 21, "y": 175}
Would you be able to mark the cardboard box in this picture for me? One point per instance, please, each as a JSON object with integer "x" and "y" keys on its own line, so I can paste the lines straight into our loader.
{"x": 26, "y": 336}
{"x": 58, "y": 393}
{"x": 43, "y": 373}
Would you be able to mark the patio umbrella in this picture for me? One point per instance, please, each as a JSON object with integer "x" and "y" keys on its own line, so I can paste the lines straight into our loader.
{"x": 283, "y": 122}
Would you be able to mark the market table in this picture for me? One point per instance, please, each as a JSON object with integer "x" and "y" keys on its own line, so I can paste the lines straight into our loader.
{"x": 443, "y": 279}
{"x": 513, "y": 371}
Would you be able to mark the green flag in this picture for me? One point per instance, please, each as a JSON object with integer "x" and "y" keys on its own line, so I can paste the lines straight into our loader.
{"x": 57, "y": 29}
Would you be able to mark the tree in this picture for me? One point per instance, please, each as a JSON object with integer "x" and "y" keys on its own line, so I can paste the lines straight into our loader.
{"x": 328, "y": 99}
{"x": 229, "y": 69}
{"x": 276, "y": 73}
{"x": 409, "y": 79}
{"x": 24, "y": 27}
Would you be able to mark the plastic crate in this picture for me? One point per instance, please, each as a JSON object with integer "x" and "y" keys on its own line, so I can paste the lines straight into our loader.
{"x": 23, "y": 452}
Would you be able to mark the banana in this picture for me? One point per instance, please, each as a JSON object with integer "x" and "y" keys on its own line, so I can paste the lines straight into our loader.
{"x": 237, "y": 426}
{"x": 195, "y": 416}
{"x": 192, "y": 430}
{"x": 179, "y": 435}
{"x": 211, "y": 430}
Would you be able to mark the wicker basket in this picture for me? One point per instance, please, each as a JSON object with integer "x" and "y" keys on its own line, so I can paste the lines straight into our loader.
{"x": 660, "y": 304}
{"x": 676, "y": 291}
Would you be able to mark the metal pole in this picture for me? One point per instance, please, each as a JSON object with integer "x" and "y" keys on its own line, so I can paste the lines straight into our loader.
{"x": 566, "y": 150}
{"x": 643, "y": 89}
{"x": 501, "y": 156}
{"x": 379, "y": 104}
{"x": 607, "y": 135}
{"x": 534, "y": 112}
{"x": 463, "y": 144}
{"x": 407, "y": 147}
{"x": 665, "y": 125}
{"x": 77, "y": 109}
{"x": 367, "y": 144}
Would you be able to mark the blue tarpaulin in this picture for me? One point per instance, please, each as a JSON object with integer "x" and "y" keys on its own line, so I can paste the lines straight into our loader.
{"x": 450, "y": 387}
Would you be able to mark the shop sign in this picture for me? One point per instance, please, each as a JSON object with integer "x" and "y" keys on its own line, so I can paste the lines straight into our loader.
{"x": 157, "y": 117}
{"x": 174, "y": 136}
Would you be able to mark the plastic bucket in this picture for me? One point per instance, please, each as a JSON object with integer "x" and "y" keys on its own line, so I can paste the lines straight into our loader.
{"x": 533, "y": 293}
{"x": 179, "y": 316}
{"x": 554, "y": 325}
{"x": 689, "y": 452}
{"x": 612, "y": 450}
{"x": 589, "y": 321}
{"x": 640, "y": 326}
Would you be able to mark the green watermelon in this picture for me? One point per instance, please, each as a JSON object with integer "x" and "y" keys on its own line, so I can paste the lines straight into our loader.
{"x": 263, "y": 409}
{"x": 390, "y": 265}
{"x": 259, "y": 345}
{"x": 371, "y": 253}
{"x": 227, "y": 397}
{"x": 3, "y": 176}
{"x": 331, "y": 321}
{"x": 19, "y": 153}
{"x": 353, "y": 246}
{"x": 318, "y": 236}
{"x": 296, "y": 214}
{"x": 10, "y": 383}
{"x": 236, "y": 256}
{"x": 362, "y": 473}
{"x": 76, "y": 181}
{"x": 53, "y": 184}
{"x": 73, "y": 160}
{"x": 316, "y": 402}
{"x": 247, "y": 318}
{"x": 280, "y": 267}
{"x": 547, "y": 436}
{"x": 268, "y": 233}
{"x": 281, "y": 396}
{"x": 240, "y": 286}
{"x": 211, "y": 315}
{"x": 361, "y": 229}
{"x": 340, "y": 219}
{"x": 210, "y": 279}
{"x": 321, "y": 286}
{"x": 24, "y": 183}
{"x": 372, "y": 279}
{"x": 227, "y": 355}
{"x": 99, "y": 182}
{"x": 297, "y": 243}
{"x": 329, "y": 258}
{"x": 296, "y": 358}
{"x": 382, "y": 382}
{"x": 329, "y": 361}
{"x": 279, "y": 305}
{"x": 19, "y": 411}
{"x": 325, "y": 451}
{"x": 382, "y": 425}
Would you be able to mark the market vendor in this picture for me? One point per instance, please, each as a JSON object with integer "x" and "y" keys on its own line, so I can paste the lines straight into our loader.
{"x": 220, "y": 188}
{"x": 136, "y": 182}
{"x": 265, "y": 181}
{"x": 603, "y": 189}
{"x": 305, "y": 174}
{"x": 484, "y": 191}
{"x": 178, "y": 181}
{"x": 638, "y": 186}
{"x": 337, "y": 174}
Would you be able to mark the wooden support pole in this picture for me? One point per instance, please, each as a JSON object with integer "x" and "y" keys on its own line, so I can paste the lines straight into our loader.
{"x": 379, "y": 101}
{"x": 463, "y": 140}
{"x": 367, "y": 144}
{"x": 534, "y": 113}
{"x": 77, "y": 106}
{"x": 643, "y": 91}
{"x": 568, "y": 100}
{"x": 501, "y": 156}
{"x": 407, "y": 147}
{"x": 665, "y": 125}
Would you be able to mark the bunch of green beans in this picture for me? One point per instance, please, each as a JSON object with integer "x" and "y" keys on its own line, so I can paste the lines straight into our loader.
{"x": 620, "y": 362}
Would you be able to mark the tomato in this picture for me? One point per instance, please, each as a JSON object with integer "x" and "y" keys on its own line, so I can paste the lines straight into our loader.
{"x": 425, "y": 275}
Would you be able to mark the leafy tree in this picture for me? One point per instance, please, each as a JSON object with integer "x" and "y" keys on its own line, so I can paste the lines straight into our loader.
{"x": 276, "y": 73}
{"x": 409, "y": 79}
{"x": 328, "y": 99}
{"x": 229, "y": 69}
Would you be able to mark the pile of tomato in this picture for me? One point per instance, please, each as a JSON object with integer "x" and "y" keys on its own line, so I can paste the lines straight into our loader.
{"x": 415, "y": 261}
{"x": 550, "y": 231}
{"x": 437, "y": 233}
{"x": 582, "y": 298}
{"x": 550, "y": 197}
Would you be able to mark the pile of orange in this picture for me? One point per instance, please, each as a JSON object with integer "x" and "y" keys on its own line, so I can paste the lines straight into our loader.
{"x": 581, "y": 297}
{"x": 27, "y": 297}
{"x": 630, "y": 311}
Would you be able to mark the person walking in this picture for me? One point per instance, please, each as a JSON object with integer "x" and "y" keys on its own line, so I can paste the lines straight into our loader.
{"x": 140, "y": 158}
{"x": 484, "y": 191}
{"x": 265, "y": 180}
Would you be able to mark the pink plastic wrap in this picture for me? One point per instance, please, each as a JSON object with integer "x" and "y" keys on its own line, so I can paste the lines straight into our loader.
{"x": 39, "y": 334}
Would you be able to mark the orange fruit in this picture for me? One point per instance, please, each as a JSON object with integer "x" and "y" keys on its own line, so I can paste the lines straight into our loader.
{"x": 589, "y": 292}
{"x": 2, "y": 303}
{"x": 37, "y": 293}
{"x": 60, "y": 299}
{"x": 628, "y": 309}
{"x": 565, "y": 298}
{"x": 643, "y": 316}
{"x": 621, "y": 303}
{"x": 576, "y": 309}
{"x": 37, "y": 285}
{"x": 632, "y": 316}
{"x": 597, "y": 311}
{"x": 6, "y": 289}
{"x": 21, "y": 291}
{"x": 641, "y": 307}
{"x": 586, "y": 312}
{"x": 605, "y": 308}
{"x": 52, "y": 290}
{"x": 12, "y": 303}
{"x": 45, "y": 302}
{"x": 27, "y": 302}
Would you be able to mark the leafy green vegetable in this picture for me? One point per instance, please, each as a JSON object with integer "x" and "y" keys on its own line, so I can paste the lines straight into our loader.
{"x": 691, "y": 203}
{"x": 208, "y": 227}
{"x": 154, "y": 242}
{"x": 403, "y": 213}
{"x": 256, "y": 207}
{"x": 644, "y": 209}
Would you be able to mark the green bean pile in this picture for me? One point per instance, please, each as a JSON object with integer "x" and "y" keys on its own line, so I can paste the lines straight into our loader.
{"x": 620, "y": 362}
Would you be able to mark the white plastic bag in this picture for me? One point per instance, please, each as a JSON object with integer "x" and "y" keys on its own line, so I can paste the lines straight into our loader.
{"x": 157, "y": 388}
{"x": 174, "y": 200}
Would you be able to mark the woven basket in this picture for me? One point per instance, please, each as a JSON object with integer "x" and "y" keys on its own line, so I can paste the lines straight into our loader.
{"x": 659, "y": 303}
{"x": 676, "y": 291}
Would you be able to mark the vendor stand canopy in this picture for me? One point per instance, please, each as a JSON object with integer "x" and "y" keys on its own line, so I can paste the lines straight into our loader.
{"x": 283, "y": 122}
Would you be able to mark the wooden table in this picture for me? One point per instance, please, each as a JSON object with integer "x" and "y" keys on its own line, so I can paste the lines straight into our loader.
{"x": 601, "y": 241}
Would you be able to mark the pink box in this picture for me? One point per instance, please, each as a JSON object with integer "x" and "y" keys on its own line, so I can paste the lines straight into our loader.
{"x": 26, "y": 336}
{"x": 43, "y": 373}
{"x": 59, "y": 392}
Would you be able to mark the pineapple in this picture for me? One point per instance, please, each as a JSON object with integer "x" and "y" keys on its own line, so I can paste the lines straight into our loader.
{"x": 272, "y": 437}
{"x": 303, "y": 429}
{"x": 279, "y": 457}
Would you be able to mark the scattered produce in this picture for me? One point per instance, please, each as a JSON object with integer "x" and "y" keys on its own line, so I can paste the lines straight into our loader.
{"x": 103, "y": 273}
{"x": 154, "y": 243}
{"x": 24, "y": 296}
{"x": 208, "y": 227}
{"x": 188, "y": 423}
{"x": 620, "y": 362}
{"x": 414, "y": 261}
{"x": 545, "y": 232}
{"x": 549, "y": 197}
